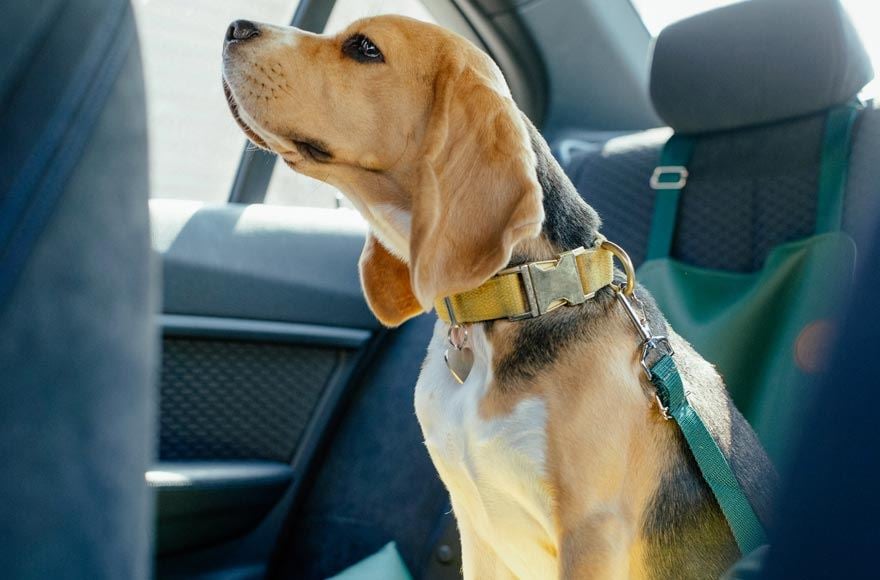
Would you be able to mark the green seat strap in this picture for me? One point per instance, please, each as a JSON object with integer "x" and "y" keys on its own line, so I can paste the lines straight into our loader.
{"x": 833, "y": 168}
{"x": 668, "y": 180}
{"x": 746, "y": 528}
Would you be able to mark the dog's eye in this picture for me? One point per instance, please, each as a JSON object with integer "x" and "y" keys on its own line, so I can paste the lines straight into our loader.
{"x": 362, "y": 49}
{"x": 307, "y": 149}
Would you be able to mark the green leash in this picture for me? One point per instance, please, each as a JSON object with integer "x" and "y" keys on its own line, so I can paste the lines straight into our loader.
{"x": 746, "y": 528}
{"x": 672, "y": 398}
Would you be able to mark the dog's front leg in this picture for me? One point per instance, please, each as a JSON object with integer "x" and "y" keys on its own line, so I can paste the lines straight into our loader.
{"x": 597, "y": 548}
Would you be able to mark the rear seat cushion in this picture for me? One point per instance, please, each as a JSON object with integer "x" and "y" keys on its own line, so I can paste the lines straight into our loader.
{"x": 749, "y": 191}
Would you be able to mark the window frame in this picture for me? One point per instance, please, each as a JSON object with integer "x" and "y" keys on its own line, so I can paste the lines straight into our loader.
{"x": 251, "y": 182}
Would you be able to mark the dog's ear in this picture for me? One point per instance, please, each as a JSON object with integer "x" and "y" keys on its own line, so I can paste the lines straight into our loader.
{"x": 385, "y": 280}
{"x": 477, "y": 189}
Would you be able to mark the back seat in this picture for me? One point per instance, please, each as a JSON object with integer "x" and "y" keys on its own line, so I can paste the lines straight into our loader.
{"x": 753, "y": 81}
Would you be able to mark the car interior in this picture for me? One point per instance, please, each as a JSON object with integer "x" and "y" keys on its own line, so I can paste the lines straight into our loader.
{"x": 193, "y": 384}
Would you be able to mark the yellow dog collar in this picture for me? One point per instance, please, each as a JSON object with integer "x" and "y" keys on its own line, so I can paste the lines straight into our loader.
{"x": 535, "y": 288}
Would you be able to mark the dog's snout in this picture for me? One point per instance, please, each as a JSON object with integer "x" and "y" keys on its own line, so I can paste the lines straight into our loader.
{"x": 241, "y": 30}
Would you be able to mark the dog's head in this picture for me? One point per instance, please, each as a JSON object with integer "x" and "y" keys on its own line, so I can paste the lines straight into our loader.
{"x": 416, "y": 126}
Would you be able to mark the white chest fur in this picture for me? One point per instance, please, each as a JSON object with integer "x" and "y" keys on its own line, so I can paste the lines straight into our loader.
{"x": 495, "y": 469}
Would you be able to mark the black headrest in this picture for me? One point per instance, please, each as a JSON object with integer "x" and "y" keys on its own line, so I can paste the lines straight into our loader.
{"x": 756, "y": 62}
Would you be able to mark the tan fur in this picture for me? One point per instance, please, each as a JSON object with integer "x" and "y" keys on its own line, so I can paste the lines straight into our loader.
{"x": 385, "y": 280}
{"x": 439, "y": 138}
{"x": 606, "y": 453}
{"x": 479, "y": 195}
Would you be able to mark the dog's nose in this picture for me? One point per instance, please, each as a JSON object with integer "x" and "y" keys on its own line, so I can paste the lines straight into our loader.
{"x": 241, "y": 30}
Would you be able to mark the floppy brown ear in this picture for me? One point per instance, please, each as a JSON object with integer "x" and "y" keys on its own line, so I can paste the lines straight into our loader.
{"x": 478, "y": 193}
{"x": 385, "y": 280}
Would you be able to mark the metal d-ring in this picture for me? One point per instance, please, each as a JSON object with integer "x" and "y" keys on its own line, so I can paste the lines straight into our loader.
{"x": 625, "y": 295}
{"x": 628, "y": 269}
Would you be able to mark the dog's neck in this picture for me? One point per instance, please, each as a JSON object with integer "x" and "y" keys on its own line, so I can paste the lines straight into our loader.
{"x": 568, "y": 221}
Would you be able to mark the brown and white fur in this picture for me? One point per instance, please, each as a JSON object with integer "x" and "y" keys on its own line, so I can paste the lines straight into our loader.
{"x": 557, "y": 462}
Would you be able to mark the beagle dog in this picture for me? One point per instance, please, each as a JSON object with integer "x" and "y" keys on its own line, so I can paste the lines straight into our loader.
{"x": 558, "y": 461}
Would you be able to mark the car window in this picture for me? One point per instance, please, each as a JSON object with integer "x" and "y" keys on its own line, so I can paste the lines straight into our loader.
{"x": 290, "y": 188}
{"x": 657, "y": 14}
{"x": 865, "y": 16}
{"x": 195, "y": 145}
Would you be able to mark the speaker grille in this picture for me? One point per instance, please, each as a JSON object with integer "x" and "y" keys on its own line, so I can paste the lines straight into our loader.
{"x": 223, "y": 399}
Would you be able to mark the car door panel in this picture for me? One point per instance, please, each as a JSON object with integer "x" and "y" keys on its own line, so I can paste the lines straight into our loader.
{"x": 259, "y": 262}
{"x": 200, "y": 503}
{"x": 264, "y": 328}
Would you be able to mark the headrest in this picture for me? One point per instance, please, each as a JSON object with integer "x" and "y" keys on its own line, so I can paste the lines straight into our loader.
{"x": 756, "y": 62}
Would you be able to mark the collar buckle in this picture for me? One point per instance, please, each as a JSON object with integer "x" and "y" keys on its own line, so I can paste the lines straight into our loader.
{"x": 550, "y": 284}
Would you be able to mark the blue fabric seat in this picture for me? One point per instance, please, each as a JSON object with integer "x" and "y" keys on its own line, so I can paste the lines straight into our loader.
{"x": 78, "y": 346}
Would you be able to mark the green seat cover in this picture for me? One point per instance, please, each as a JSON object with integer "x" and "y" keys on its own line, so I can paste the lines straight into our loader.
{"x": 759, "y": 328}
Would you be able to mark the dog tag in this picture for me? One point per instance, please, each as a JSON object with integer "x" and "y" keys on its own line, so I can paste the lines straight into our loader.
{"x": 460, "y": 361}
{"x": 459, "y": 357}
